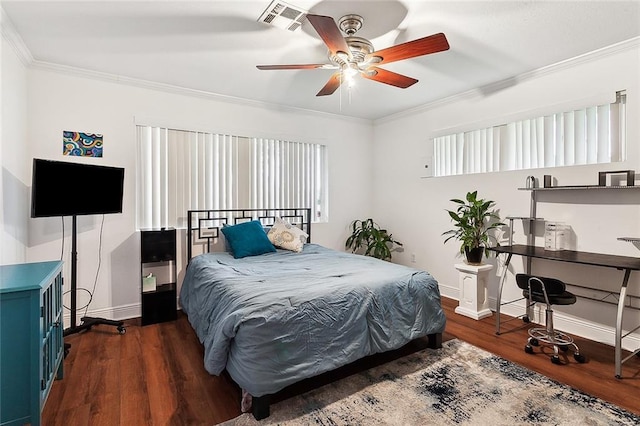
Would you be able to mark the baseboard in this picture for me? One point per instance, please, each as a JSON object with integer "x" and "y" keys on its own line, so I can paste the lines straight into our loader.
{"x": 449, "y": 291}
{"x": 117, "y": 313}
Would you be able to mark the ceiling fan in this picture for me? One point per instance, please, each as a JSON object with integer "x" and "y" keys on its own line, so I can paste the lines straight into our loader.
{"x": 353, "y": 55}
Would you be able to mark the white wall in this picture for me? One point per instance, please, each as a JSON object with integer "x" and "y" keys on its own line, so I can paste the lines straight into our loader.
{"x": 59, "y": 101}
{"x": 414, "y": 208}
{"x": 16, "y": 171}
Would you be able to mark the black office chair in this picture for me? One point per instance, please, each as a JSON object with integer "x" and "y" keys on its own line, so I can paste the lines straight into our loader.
{"x": 549, "y": 291}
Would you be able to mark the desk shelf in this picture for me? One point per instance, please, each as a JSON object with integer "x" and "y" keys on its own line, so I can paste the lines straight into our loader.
{"x": 534, "y": 201}
{"x": 580, "y": 187}
{"x": 609, "y": 297}
{"x": 523, "y": 218}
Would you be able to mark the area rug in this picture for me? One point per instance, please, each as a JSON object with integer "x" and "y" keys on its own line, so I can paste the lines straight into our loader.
{"x": 456, "y": 385}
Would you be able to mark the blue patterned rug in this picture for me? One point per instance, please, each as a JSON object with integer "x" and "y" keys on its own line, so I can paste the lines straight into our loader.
{"x": 456, "y": 385}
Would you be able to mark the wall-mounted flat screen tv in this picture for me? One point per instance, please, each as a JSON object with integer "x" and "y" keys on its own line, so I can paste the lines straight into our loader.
{"x": 67, "y": 189}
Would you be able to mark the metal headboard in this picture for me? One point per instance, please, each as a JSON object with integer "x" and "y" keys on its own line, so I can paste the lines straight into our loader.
{"x": 203, "y": 226}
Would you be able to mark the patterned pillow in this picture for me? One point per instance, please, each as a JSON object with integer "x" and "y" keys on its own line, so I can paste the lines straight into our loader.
{"x": 284, "y": 235}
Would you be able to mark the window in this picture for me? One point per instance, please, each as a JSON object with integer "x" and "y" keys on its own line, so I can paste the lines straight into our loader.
{"x": 180, "y": 170}
{"x": 586, "y": 136}
{"x": 288, "y": 175}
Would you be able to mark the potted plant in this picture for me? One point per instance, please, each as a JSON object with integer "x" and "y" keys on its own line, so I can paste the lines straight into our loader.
{"x": 473, "y": 220}
{"x": 367, "y": 236}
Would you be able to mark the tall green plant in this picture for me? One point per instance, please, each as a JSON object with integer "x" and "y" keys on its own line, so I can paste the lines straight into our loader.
{"x": 366, "y": 235}
{"x": 473, "y": 221}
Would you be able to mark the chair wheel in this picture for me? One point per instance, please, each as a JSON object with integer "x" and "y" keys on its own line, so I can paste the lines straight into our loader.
{"x": 580, "y": 358}
{"x": 526, "y": 319}
{"x": 533, "y": 341}
{"x": 563, "y": 348}
{"x": 528, "y": 349}
{"x": 122, "y": 330}
{"x": 556, "y": 360}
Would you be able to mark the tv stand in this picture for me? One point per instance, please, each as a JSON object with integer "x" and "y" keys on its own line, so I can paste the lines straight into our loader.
{"x": 86, "y": 322}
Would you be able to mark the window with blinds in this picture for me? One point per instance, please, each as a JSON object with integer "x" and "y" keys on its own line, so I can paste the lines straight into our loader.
{"x": 591, "y": 135}
{"x": 289, "y": 175}
{"x": 182, "y": 170}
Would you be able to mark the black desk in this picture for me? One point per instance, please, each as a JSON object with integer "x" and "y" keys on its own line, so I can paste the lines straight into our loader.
{"x": 624, "y": 263}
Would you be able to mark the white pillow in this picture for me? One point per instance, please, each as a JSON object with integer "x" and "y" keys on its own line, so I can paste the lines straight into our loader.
{"x": 284, "y": 235}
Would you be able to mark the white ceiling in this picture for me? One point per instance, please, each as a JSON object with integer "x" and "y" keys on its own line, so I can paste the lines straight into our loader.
{"x": 214, "y": 46}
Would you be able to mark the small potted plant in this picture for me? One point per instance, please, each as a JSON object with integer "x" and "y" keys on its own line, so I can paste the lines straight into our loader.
{"x": 367, "y": 237}
{"x": 474, "y": 221}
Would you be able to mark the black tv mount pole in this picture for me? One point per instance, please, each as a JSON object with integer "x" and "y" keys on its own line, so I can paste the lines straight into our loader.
{"x": 87, "y": 322}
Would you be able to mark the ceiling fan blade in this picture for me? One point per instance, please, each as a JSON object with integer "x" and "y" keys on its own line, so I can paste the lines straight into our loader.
{"x": 296, "y": 67}
{"x": 331, "y": 86}
{"x": 330, "y": 34}
{"x": 422, "y": 46}
{"x": 389, "y": 77}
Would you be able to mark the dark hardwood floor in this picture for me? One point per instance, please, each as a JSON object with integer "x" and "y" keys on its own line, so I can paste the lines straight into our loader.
{"x": 154, "y": 375}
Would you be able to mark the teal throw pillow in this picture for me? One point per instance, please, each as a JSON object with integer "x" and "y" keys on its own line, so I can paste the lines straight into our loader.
{"x": 247, "y": 239}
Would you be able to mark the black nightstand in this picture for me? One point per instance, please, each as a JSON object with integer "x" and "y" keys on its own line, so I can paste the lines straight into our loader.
{"x": 158, "y": 257}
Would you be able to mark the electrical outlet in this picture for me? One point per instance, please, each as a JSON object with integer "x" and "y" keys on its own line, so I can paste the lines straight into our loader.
{"x": 413, "y": 258}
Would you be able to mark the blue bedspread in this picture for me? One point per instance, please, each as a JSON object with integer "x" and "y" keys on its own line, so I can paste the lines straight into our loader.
{"x": 274, "y": 319}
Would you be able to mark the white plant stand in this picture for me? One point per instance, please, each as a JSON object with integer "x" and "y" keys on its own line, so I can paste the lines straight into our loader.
{"x": 473, "y": 299}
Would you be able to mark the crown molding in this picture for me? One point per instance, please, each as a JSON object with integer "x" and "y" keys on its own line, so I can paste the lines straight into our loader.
{"x": 12, "y": 37}
{"x": 623, "y": 46}
{"x": 169, "y": 88}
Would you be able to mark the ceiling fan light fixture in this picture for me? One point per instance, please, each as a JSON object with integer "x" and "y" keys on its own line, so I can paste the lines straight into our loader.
{"x": 348, "y": 74}
{"x": 350, "y": 71}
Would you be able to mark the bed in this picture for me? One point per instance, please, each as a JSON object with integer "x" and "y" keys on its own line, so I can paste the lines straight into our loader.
{"x": 273, "y": 319}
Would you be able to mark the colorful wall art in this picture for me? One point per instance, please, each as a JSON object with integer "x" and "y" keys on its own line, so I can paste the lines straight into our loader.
{"x": 81, "y": 144}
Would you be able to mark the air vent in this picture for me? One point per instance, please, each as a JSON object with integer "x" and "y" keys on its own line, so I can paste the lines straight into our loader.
{"x": 283, "y": 15}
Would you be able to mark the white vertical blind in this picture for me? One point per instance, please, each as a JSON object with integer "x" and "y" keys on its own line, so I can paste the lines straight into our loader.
{"x": 604, "y": 126}
{"x": 182, "y": 170}
{"x": 585, "y": 136}
{"x": 289, "y": 174}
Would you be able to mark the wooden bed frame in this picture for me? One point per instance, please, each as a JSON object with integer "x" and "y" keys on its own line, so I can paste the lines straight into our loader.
{"x": 203, "y": 229}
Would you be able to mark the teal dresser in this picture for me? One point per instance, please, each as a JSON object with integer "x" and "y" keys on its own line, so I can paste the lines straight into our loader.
{"x": 31, "y": 343}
